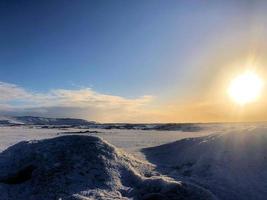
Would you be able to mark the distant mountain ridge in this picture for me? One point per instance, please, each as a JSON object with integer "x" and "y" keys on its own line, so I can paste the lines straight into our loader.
{"x": 30, "y": 120}
{"x": 47, "y": 122}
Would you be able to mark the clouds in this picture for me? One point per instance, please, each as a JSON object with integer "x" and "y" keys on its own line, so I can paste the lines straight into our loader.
{"x": 84, "y": 103}
{"x": 92, "y": 105}
{"x": 10, "y": 92}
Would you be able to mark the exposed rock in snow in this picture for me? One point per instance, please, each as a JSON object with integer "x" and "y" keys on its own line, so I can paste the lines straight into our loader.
{"x": 83, "y": 167}
{"x": 232, "y": 165}
{"x": 185, "y": 127}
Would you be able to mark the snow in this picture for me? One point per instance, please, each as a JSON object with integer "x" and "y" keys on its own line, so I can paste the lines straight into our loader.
{"x": 9, "y": 120}
{"x": 225, "y": 160}
{"x": 131, "y": 141}
{"x": 232, "y": 165}
{"x": 83, "y": 167}
{"x": 30, "y": 120}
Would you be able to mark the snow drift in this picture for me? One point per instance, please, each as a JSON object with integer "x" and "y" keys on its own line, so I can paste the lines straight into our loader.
{"x": 231, "y": 165}
{"x": 83, "y": 167}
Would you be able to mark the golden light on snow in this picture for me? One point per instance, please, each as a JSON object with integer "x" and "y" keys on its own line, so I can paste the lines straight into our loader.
{"x": 246, "y": 88}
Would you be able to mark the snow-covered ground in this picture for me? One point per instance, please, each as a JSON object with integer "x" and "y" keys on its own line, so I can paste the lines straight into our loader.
{"x": 229, "y": 160}
{"x": 76, "y": 167}
{"x": 232, "y": 165}
{"x": 132, "y": 141}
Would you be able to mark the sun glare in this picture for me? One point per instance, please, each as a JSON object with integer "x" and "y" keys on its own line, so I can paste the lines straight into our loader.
{"x": 245, "y": 88}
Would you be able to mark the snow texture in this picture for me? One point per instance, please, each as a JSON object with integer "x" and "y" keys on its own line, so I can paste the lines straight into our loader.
{"x": 84, "y": 167}
{"x": 231, "y": 165}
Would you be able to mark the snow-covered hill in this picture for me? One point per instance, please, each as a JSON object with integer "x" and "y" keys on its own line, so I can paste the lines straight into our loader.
{"x": 30, "y": 120}
{"x": 7, "y": 120}
{"x": 231, "y": 165}
{"x": 83, "y": 167}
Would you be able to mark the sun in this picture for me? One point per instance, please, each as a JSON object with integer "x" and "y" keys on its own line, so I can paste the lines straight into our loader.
{"x": 245, "y": 88}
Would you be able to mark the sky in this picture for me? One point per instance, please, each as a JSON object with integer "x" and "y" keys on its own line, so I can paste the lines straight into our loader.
{"x": 130, "y": 61}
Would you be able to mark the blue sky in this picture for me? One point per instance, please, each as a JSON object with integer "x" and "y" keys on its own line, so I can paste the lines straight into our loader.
{"x": 127, "y": 49}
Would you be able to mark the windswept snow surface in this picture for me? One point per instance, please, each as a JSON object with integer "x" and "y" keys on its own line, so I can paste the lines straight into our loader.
{"x": 83, "y": 167}
{"x": 231, "y": 165}
{"x": 228, "y": 160}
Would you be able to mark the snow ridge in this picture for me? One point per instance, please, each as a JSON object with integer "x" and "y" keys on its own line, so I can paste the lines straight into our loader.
{"x": 83, "y": 167}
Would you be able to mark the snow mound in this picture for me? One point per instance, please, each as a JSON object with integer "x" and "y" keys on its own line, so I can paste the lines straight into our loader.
{"x": 231, "y": 165}
{"x": 83, "y": 167}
